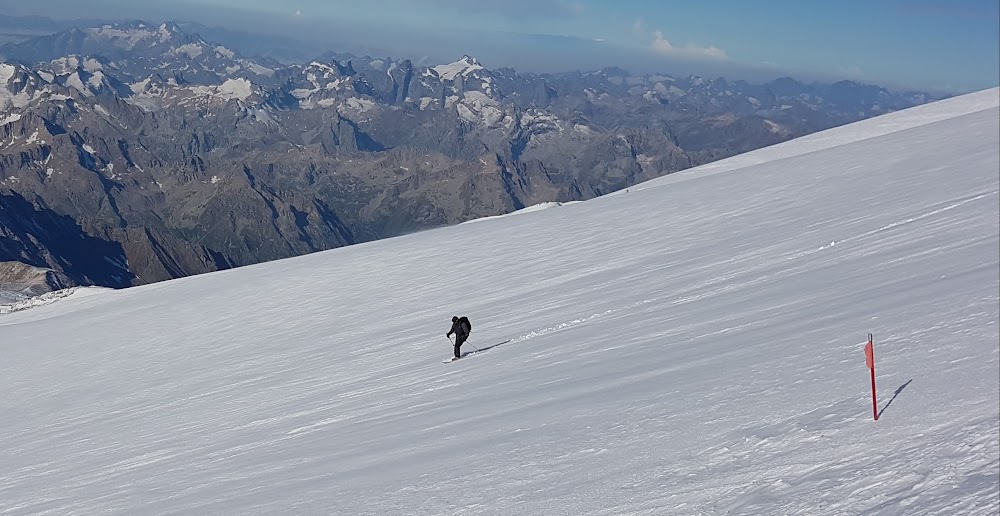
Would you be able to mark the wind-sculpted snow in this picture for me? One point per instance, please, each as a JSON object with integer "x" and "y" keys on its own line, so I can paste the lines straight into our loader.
{"x": 693, "y": 345}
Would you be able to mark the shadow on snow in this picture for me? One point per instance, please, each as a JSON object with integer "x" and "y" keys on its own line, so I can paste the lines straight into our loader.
{"x": 899, "y": 390}
{"x": 480, "y": 350}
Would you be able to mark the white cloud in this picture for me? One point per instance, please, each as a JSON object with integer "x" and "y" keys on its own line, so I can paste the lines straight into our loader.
{"x": 298, "y": 12}
{"x": 662, "y": 46}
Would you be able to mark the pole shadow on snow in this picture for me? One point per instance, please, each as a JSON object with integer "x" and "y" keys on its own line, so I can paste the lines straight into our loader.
{"x": 480, "y": 350}
{"x": 899, "y": 390}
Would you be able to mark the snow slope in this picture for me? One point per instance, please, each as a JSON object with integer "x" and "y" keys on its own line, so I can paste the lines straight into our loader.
{"x": 692, "y": 346}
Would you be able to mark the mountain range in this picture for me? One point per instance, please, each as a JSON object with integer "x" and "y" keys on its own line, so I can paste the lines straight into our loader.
{"x": 166, "y": 155}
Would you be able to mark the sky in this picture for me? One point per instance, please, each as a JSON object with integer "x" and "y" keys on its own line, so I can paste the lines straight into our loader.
{"x": 926, "y": 44}
{"x": 691, "y": 345}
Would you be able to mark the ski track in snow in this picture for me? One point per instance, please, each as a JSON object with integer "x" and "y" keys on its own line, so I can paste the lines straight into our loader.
{"x": 687, "y": 350}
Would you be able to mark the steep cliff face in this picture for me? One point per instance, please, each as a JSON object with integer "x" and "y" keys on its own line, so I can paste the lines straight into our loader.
{"x": 54, "y": 249}
{"x": 136, "y": 153}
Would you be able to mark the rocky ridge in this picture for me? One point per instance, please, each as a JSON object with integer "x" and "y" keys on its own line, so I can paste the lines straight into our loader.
{"x": 132, "y": 153}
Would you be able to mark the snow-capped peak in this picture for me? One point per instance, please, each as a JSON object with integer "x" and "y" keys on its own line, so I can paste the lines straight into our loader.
{"x": 464, "y": 66}
{"x": 126, "y": 38}
{"x": 128, "y": 35}
{"x": 72, "y": 63}
{"x": 235, "y": 89}
{"x": 165, "y": 32}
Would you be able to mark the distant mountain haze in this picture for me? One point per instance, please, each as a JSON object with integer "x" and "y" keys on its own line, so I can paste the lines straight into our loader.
{"x": 177, "y": 155}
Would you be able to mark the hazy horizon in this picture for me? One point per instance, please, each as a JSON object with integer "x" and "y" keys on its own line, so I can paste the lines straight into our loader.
{"x": 945, "y": 48}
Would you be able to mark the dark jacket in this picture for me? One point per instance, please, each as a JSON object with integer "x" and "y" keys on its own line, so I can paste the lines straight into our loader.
{"x": 459, "y": 329}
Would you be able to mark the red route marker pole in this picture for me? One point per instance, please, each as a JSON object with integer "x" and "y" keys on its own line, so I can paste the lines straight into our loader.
{"x": 870, "y": 362}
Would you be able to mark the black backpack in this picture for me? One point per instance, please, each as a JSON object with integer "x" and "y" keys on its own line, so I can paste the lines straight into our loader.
{"x": 463, "y": 320}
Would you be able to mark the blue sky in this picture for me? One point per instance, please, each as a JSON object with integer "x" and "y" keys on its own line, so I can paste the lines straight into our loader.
{"x": 927, "y": 44}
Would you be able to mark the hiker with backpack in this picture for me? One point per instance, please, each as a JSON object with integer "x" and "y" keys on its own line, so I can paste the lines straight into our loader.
{"x": 461, "y": 327}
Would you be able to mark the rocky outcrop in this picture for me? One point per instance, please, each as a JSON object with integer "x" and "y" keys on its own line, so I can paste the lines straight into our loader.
{"x": 19, "y": 280}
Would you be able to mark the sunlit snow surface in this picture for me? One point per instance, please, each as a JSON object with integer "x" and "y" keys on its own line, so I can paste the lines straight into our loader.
{"x": 691, "y": 346}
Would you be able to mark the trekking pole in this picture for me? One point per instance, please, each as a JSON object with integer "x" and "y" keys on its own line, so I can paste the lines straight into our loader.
{"x": 464, "y": 343}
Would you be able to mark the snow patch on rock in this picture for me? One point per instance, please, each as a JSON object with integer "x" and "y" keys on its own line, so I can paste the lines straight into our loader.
{"x": 450, "y": 71}
{"x": 191, "y": 50}
{"x": 11, "y": 118}
{"x": 224, "y": 52}
{"x": 235, "y": 89}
